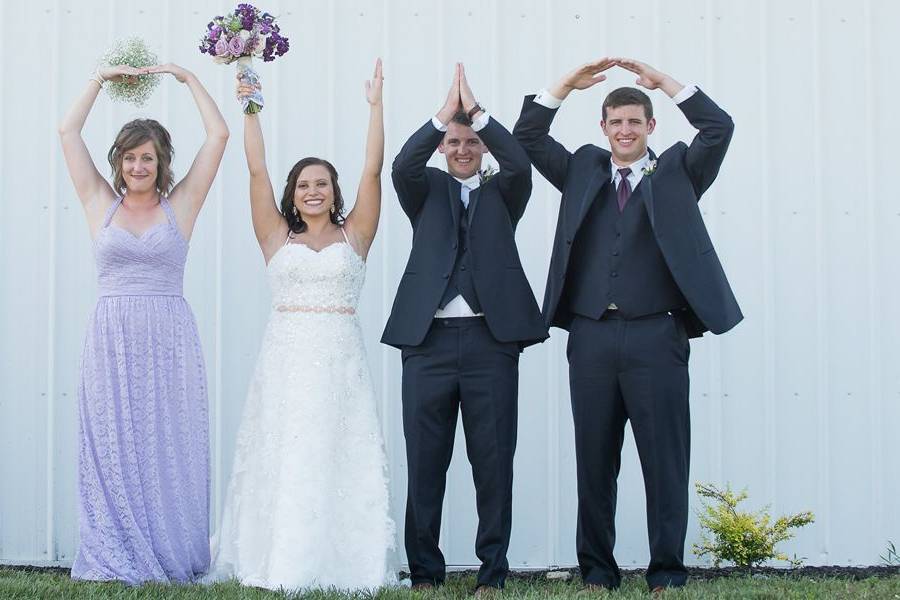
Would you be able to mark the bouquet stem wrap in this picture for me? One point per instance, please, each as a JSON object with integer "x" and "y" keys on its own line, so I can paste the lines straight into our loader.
{"x": 253, "y": 103}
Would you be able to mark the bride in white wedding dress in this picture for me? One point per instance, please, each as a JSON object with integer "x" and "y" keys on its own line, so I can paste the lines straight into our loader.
{"x": 307, "y": 503}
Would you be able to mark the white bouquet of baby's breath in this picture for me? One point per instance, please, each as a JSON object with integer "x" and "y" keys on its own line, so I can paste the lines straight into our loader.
{"x": 134, "y": 89}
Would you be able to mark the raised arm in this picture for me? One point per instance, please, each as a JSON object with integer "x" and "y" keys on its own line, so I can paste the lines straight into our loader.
{"x": 269, "y": 225}
{"x": 532, "y": 130}
{"x": 514, "y": 177}
{"x": 188, "y": 195}
{"x": 362, "y": 222}
{"x": 408, "y": 171}
{"x": 707, "y": 150}
{"x": 93, "y": 190}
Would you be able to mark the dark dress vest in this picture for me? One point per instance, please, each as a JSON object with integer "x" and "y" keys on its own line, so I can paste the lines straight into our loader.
{"x": 460, "y": 281}
{"x": 616, "y": 260}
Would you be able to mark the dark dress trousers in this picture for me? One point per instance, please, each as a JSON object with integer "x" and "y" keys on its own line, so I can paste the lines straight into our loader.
{"x": 467, "y": 364}
{"x": 655, "y": 263}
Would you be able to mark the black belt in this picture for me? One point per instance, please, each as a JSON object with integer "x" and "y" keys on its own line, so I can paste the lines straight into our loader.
{"x": 458, "y": 321}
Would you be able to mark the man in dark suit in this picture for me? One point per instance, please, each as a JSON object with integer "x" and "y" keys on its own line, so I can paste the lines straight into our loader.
{"x": 463, "y": 312}
{"x": 633, "y": 275}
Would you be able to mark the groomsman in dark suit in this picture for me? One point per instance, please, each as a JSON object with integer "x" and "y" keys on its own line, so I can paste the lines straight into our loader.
{"x": 633, "y": 275}
{"x": 463, "y": 312}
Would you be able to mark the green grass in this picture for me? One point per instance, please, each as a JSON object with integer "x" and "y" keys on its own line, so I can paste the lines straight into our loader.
{"x": 18, "y": 584}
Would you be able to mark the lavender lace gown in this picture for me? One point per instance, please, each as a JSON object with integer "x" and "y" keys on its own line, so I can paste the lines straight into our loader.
{"x": 143, "y": 466}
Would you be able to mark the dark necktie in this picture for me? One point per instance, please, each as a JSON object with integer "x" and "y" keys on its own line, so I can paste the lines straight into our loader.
{"x": 624, "y": 191}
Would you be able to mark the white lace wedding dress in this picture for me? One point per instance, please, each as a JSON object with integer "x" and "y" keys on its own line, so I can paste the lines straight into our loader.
{"x": 307, "y": 503}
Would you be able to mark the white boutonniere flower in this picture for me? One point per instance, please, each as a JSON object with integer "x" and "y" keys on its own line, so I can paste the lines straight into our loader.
{"x": 650, "y": 168}
{"x": 485, "y": 174}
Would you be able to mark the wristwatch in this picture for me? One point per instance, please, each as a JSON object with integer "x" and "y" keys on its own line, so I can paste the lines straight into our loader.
{"x": 474, "y": 111}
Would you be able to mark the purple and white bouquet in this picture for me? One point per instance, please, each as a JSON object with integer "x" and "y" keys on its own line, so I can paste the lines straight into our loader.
{"x": 240, "y": 36}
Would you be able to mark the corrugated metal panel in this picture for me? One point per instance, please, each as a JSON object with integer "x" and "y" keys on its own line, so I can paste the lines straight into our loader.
{"x": 799, "y": 403}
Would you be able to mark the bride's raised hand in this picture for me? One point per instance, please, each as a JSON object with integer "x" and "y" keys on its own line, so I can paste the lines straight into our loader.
{"x": 244, "y": 89}
{"x": 374, "y": 86}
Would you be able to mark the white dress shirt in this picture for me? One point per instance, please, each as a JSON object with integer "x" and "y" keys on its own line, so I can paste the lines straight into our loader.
{"x": 637, "y": 171}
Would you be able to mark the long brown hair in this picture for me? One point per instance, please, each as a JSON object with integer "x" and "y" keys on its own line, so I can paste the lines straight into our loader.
{"x": 132, "y": 135}
{"x": 295, "y": 221}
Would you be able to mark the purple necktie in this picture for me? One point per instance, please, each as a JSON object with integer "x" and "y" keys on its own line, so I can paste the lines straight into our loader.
{"x": 624, "y": 191}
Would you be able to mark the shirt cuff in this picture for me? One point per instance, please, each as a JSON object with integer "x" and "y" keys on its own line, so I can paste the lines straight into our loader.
{"x": 438, "y": 125}
{"x": 685, "y": 93}
{"x": 545, "y": 98}
{"x": 478, "y": 123}
{"x": 481, "y": 121}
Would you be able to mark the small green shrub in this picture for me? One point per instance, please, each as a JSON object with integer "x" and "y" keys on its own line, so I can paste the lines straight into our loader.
{"x": 743, "y": 538}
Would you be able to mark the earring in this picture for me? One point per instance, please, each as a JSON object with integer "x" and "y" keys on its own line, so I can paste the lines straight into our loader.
{"x": 332, "y": 209}
{"x": 294, "y": 209}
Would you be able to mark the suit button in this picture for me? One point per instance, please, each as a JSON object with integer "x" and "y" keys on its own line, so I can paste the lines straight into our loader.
{"x": 613, "y": 274}
{"x": 569, "y": 242}
{"x": 446, "y": 275}
{"x": 453, "y": 245}
{"x": 462, "y": 268}
{"x": 615, "y": 252}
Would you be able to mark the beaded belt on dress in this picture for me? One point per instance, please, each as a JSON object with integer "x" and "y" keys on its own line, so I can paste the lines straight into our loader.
{"x": 342, "y": 310}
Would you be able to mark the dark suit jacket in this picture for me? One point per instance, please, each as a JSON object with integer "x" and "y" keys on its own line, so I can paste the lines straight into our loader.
{"x": 669, "y": 195}
{"x": 431, "y": 199}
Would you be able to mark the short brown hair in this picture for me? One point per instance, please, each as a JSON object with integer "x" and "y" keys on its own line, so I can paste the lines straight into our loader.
{"x": 628, "y": 96}
{"x": 461, "y": 118}
{"x": 132, "y": 135}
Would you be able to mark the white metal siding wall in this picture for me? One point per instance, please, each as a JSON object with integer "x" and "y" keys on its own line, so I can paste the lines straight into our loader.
{"x": 799, "y": 402}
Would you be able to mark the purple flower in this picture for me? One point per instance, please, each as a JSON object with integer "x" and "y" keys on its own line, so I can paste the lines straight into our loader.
{"x": 221, "y": 47}
{"x": 247, "y": 14}
{"x": 236, "y": 46}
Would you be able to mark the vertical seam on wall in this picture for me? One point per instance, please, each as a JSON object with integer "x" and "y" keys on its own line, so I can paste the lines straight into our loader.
{"x": 164, "y": 48}
{"x": 876, "y": 399}
{"x": 330, "y": 67}
{"x": 822, "y": 397}
{"x": 768, "y": 266}
{"x": 53, "y": 81}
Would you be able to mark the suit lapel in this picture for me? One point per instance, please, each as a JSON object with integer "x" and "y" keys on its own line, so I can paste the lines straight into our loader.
{"x": 645, "y": 187}
{"x": 455, "y": 193}
{"x": 601, "y": 175}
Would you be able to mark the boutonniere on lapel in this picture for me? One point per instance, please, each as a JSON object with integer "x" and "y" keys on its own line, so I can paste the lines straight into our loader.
{"x": 650, "y": 168}
{"x": 485, "y": 174}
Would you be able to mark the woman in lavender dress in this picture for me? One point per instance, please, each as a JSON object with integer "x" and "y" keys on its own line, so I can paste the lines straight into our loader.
{"x": 143, "y": 472}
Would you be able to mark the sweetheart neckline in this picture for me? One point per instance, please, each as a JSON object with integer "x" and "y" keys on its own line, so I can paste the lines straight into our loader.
{"x": 316, "y": 252}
